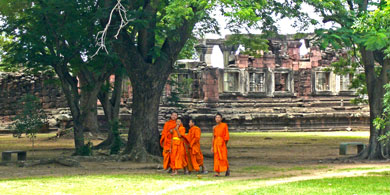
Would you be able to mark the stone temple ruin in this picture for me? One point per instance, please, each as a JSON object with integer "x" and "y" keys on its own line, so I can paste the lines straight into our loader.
{"x": 282, "y": 90}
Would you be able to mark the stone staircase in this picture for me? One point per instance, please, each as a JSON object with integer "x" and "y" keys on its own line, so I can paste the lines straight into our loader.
{"x": 278, "y": 114}
{"x": 267, "y": 114}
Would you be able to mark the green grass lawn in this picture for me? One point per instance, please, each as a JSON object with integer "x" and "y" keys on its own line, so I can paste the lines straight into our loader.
{"x": 250, "y": 175}
{"x": 375, "y": 183}
{"x": 99, "y": 184}
{"x": 348, "y": 185}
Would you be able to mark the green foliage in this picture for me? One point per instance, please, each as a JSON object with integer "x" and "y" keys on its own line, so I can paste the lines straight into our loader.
{"x": 188, "y": 51}
{"x": 31, "y": 119}
{"x": 57, "y": 36}
{"x": 380, "y": 122}
{"x": 47, "y": 34}
{"x": 165, "y": 20}
{"x": 178, "y": 89}
{"x": 86, "y": 150}
{"x": 5, "y": 44}
{"x": 374, "y": 28}
{"x": 348, "y": 65}
{"x": 185, "y": 86}
{"x": 254, "y": 44}
{"x": 336, "y": 38}
{"x": 264, "y": 19}
{"x": 356, "y": 29}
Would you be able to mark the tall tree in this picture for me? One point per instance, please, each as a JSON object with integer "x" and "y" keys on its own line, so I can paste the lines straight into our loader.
{"x": 59, "y": 36}
{"x": 154, "y": 32}
{"x": 369, "y": 43}
{"x": 375, "y": 27}
{"x": 110, "y": 98}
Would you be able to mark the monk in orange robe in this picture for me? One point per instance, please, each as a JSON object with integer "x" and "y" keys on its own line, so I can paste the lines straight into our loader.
{"x": 219, "y": 142}
{"x": 166, "y": 139}
{"x": 196, "y": 156}
{"x": 178, "y": 151}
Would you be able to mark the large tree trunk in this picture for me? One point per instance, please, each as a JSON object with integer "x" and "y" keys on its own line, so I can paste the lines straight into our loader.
{"x": 148, "y": 64}
{"x": 82, "y": 110}
{"x": 143, "y": 137}
{"x": 90, "y": 122}
{"x": 375, "y": 98}
{"x": 111, "y": 113}
{"x": 70, "y": 87}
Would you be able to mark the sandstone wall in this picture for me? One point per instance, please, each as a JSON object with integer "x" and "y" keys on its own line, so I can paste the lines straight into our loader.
{"x": 278, "y": 114}
{"x": 13, "y": 86}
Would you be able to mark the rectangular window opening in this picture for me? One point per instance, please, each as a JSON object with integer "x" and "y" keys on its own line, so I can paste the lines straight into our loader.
{"x": 256, "y": 82}
{"x": 322, "y": 81}
{"x": 345, "y": 82}
{"x": 230, "y": 82}
{"x": 281, "y": 82}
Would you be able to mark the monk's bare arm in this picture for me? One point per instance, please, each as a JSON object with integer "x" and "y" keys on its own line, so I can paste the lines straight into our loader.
{"x": 212, "y": 145}
{"x": 212, "y": 142}
{"x": 226, "y": 135}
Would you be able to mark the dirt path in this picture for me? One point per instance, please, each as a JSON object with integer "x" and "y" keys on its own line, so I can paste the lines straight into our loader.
{"x": 270, "y": 182}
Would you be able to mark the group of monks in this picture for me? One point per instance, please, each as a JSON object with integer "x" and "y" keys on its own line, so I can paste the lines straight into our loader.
{"x": 182, "y": 151}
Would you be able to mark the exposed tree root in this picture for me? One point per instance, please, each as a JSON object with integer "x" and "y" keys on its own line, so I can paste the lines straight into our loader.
{"x": 141, "y": 155}
{"x": 107, "y": 144}
{"x": 62, "y": 161}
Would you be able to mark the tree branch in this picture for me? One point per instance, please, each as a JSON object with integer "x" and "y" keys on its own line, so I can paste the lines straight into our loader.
{"x": 173, "y": 44}
{"x": 147, "y": 38}
{"x": 350, "y": 4}
{"x": 102, "y": 35}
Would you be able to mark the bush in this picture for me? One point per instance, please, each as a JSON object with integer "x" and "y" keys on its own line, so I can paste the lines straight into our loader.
{"x": 31, "y": 119}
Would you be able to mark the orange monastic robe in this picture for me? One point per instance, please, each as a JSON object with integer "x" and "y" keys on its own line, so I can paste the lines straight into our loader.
{"x": 221, "y": 135}
{"x": 166, "y": 140}
{"x": 196, "y": 156}
{"x": 178, "y": 154}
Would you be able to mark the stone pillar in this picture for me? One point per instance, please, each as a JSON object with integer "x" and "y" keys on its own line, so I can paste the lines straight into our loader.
{"x": 204, "y": 52}
{"x": 201, "y": 50}
{"x": 228, "y": 53}
{"x": 276, "y": 49}
{"x": 209, "y": 84}
{"x": 209, "y": 52}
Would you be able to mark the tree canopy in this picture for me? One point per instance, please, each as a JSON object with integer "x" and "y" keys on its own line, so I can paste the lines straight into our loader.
{"x": 366, "y": 33}
{"x": 151, "y": 35}
{"x": 59, "y": 37}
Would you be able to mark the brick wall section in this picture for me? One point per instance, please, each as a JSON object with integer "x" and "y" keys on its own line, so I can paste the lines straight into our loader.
{"x": 269, "y": 61}
{"x": 197, "y": 93}
{"x": 302, "y": 84}
{"x": 315, "y": 56}
{"x": 209, "y": 84}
